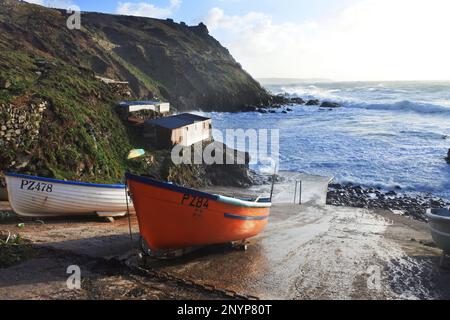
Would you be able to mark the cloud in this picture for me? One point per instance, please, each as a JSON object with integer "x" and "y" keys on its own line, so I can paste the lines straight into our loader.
{"x": 62, "y": 4}
{"x": 369, "y": 40}
{"x": 145, "y": 9}
{"x": 264, "y": 48}
{"x": 40, "y": 2}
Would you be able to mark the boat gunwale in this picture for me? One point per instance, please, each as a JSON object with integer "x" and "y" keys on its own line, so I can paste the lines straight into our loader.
{"x": 436, "y": 217}
{"x": 244, "y": 203}
{"x": 72, "y": 183}
{"x": 180, "y": 189}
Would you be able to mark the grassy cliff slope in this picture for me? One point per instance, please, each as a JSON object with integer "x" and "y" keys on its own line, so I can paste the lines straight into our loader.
{"x": 176, "y": 62}
{"x": 58, "y": 120}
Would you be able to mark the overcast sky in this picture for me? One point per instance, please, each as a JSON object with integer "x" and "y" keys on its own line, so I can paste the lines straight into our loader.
{"x": 332, "y": 39}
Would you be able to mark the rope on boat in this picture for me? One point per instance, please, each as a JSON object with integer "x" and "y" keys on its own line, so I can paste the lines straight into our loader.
{"x": 9, "y": 236}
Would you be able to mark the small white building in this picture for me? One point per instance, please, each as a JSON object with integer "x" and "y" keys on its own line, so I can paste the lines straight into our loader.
{"x": 184, "y": 129}
{"x": 135, "y": 106}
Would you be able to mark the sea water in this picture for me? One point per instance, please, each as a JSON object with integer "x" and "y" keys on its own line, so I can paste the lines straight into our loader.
{"x": 387, "y": 134}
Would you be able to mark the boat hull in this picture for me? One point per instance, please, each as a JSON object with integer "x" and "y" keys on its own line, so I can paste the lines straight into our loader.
{"x": 440, "y": 230}
{"x": 172, "y": 217}
{"x": 43, "y": 197}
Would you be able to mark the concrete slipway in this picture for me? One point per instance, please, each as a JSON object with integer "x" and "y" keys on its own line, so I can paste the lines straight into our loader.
{"x": 312, "y": 251}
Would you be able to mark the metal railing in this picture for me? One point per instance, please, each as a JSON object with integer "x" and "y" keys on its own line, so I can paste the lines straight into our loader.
{"x": 298, "y": 190}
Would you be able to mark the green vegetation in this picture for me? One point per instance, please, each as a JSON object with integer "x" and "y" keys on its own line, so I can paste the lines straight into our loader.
{"x": 148, "y": 82}
{"x": 79, "y": 135}
{"x": 20, "y": 77}
{"x": 82, "y": 137}
{"x": 13, "y": 249}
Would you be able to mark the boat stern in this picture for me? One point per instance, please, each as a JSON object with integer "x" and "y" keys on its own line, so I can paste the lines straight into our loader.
{"x": 439, "y": 222}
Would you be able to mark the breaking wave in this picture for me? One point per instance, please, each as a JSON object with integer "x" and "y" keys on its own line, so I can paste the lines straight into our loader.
{"x": 393, "y": 96}
{"x": 387, "y": 135}
{"x": 418, "y": 107}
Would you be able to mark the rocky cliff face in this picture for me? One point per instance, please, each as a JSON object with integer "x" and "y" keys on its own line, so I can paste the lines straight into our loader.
{"x": 58, "y": 119}
{"x": 175, "y": 62}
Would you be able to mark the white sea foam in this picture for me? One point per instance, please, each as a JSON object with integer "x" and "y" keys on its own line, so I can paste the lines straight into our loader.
{"x": 402, "y": 96}
{"x": 419, "y": 107}
{"x": 387, "y": 135}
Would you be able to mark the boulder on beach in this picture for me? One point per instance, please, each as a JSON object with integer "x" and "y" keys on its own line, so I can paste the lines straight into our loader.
{"x": 280, "y": 99}
{"x": 297, "y": 101}
{"x": 330, "y": 105}
{"x": 313, "y": 102}
{"x": 249, "y": 108}
{"x": 414, "y": 206}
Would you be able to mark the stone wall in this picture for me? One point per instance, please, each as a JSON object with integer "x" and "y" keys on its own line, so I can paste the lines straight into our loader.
{"x": 19, "y": 130}
{"x": 121, "y": 89}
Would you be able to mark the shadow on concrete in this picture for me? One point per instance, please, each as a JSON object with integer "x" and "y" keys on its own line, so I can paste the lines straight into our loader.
{"x": 99, "y": 256}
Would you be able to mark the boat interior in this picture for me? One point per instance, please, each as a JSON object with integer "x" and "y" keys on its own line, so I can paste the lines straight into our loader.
{"x": 441, "y": 212}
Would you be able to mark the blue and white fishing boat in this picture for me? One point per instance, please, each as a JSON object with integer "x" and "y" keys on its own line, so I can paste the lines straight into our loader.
{"x": 33, "y": 196}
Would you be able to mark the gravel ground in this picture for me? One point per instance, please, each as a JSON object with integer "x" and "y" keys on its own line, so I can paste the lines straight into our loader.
{"x": 307, "y": 252}
{"x": 414, "y": 206}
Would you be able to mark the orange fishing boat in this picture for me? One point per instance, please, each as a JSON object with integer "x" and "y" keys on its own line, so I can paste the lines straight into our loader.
{"x": 172, "y": 217}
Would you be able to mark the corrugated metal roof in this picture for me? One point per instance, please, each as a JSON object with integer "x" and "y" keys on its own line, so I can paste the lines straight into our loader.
{"x": 177, "y": 121}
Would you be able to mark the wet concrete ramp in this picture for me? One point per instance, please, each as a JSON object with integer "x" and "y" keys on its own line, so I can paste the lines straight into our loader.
{"x": 306, "y": 252}
{"x": 317, "y": 252}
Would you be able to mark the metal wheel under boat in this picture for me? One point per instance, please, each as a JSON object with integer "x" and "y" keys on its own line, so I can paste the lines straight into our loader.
{"x": 164, "y": 254}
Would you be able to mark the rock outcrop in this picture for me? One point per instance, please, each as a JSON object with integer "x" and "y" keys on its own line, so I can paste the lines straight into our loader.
{"x": 297, "y": 100}
{"x": 235, "y": 174}
{"x": 313, "y": 102}
{"x": 159, "y": 58}
{"x": 330, "y": 105}
{"x": 58, "y": 118}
